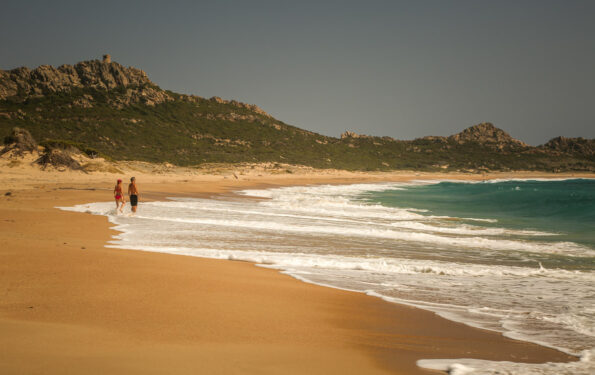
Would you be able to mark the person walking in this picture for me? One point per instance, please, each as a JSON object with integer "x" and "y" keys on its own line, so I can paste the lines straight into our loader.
{"x": 133, "y": 193}
{"x": 119, "y": 195}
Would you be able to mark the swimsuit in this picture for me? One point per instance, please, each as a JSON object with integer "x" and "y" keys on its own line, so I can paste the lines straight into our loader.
{"x": 133, "y": 199}
{"x": 118, "y": 192}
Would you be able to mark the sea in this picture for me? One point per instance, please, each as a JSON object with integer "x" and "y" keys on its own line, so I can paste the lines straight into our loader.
{"x": 512, "y": 256}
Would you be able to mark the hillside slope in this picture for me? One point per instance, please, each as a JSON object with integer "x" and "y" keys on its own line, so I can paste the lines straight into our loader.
{"x": 122, "y": 114}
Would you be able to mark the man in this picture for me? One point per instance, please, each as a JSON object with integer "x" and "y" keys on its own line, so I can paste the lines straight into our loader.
{"x": 133, "y": 193}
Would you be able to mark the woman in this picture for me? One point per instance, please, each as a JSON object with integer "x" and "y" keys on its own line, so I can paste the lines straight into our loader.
{"x": 119, "y": 195}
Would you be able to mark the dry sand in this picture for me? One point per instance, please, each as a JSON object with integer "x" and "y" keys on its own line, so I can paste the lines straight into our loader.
{"x": 70, "y": 305}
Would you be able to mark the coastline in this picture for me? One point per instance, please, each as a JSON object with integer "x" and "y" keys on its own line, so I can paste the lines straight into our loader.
{"x": 70, "y": 303}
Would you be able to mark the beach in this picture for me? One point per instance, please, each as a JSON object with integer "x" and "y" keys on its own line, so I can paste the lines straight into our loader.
{"x": 71, "y": 305}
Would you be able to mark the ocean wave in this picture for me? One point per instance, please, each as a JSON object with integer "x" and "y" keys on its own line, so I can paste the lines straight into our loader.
{"x": 379, "y": 265}
{"x": 469, "y": 230}
{"x": 370, "y": 231}
{"x": 566, "y": 248}
{"x": 322, "y": 190}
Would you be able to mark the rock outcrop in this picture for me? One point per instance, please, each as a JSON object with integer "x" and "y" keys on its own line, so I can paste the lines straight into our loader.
{"x": 145, "y": 94}
{"x": 250, "y": 107}
{"x": 23, "y": 83}
{"x": 579, "y": 145}
{"x": 485, "y": 134}
{"x": 102, "y": 75}
{"x": 488, "y": 135}
{"x": 47, "y": 79}
{"x": 349, "y": 134}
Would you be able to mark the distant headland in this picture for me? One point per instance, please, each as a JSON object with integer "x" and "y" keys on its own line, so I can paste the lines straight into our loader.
{"x": 100, "y": 107}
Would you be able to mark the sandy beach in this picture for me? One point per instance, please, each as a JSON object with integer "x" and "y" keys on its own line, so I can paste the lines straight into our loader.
{"x": 70, "y": 305}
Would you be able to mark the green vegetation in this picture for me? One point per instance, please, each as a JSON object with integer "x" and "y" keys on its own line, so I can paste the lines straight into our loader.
{"x": 191, "y": 131}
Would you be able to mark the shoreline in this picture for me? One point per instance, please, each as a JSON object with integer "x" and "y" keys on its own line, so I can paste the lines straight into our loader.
{"x": 375, "y": 336}
{"x": 237, "y": 195}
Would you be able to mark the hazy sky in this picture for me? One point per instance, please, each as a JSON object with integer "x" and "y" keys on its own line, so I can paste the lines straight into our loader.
{"x": 399, "y": 68}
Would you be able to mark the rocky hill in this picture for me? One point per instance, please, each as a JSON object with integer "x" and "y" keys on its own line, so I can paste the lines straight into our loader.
{"x": 489, "y": 135}
{"x": 572, "y": 146}
{"x": 108, "y": 109}
{"x": 23, "y": 83}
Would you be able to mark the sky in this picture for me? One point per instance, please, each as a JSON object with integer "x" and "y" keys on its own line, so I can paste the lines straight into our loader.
{"x": 403, "y": 69}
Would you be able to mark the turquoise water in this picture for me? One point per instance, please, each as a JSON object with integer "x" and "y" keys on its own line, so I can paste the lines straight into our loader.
{"x": 565, "y": 209}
